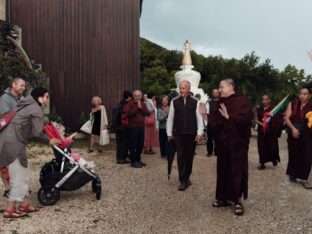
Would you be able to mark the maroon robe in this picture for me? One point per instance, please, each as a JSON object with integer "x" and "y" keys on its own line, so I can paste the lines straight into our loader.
{"x": 299, "y": 150}
{"x": 268, "y": 139}
{"x": 231, "y": 146}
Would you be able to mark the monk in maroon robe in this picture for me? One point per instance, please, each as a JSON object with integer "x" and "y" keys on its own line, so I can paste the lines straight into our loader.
{"x": 231, "y": 126}
{"x": 299, "y": 137}
{"x": 268, "y": 135}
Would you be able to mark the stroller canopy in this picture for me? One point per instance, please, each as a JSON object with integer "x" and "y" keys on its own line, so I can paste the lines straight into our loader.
{"x": 53, "y": 130}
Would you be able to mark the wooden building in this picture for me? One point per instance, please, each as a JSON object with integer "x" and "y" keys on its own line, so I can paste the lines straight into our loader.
{"x": 87, "y": 48}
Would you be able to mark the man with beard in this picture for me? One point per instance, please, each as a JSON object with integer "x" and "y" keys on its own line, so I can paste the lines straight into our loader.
{"x": 268, "y": 134}
{"x": 8, "y": 101}
{"x": 231, "y": 126}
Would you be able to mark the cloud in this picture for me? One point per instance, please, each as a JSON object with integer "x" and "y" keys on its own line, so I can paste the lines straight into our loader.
{"x": 278, "y": 29}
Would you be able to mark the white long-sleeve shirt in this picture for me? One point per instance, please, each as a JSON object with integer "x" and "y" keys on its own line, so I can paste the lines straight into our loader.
{"x": 199, "y": 118}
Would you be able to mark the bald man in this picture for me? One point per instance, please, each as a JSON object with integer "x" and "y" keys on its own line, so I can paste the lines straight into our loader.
{"x": 231, "y": 126}
{"x": 268, "y": 137}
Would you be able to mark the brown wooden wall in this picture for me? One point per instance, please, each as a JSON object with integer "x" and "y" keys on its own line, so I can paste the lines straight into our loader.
{"x": 87, "y": 48}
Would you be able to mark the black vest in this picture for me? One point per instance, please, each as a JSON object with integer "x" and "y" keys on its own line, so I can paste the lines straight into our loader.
{"x": 185, "y": 121}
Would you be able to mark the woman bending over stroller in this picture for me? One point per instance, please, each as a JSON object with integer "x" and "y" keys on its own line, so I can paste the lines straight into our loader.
{"x": 13, "y": 139}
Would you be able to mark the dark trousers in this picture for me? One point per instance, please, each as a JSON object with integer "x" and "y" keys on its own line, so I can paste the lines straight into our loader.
{"x": 163, "y": 142}
{"x": 121, "y": 144}
{"x": 185, "y": 153}
{"x": 136, "y": 140}
{"x": 209, "y": 140}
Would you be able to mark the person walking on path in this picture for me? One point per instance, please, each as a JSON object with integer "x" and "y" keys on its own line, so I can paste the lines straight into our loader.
{"x": 185, "y": 126}
{"x": 99, "y": 122}
{"x": 8, "y": 101}
{"x": 28, "y": 122}
{"x": 299, "y": 137}
{"x": 231, "y": 126}
{"x": 268, "y": 135}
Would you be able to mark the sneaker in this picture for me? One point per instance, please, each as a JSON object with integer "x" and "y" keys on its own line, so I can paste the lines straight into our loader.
{"x": 307, "y": 185}
{"x": 261, "y": 167}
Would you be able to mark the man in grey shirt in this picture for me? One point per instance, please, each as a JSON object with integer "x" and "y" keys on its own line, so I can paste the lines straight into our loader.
{"x": 8, "y": 101}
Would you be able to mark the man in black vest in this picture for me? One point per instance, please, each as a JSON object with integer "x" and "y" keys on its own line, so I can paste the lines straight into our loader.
{"x": 185, "y": 125}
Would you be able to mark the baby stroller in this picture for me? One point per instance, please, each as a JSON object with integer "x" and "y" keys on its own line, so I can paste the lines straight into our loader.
{"x": 64, "y": 173}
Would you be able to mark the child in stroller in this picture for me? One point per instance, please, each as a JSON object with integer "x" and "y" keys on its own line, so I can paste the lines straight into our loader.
{"x": 67, "y": 172}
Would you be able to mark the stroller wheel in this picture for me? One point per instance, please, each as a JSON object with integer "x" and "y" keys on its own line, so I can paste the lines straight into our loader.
{"x": 98, "y": 193}
{"x": 48, "y": 195}
{"x": 95, "y": 184}
{"x": 97, "y": 187}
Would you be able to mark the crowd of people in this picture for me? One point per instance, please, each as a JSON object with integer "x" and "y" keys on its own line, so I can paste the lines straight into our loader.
{"x": 141, "y": 125}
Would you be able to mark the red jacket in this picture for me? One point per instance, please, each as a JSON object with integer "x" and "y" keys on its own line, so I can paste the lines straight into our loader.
{"x": 136, "y": 115}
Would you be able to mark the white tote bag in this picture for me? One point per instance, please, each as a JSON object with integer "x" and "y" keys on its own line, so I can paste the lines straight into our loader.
{"x": 104, "y": 138}
{"x": 87, "y": 127}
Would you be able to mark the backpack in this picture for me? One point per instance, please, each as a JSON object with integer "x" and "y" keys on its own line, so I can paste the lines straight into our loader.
{"x": 116, "y": 116}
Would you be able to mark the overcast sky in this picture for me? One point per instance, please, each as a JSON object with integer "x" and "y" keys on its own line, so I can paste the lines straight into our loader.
{"x": 280, "y": 30}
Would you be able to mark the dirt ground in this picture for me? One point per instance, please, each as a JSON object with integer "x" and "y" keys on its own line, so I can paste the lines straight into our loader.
{"x": 144, "y": 201}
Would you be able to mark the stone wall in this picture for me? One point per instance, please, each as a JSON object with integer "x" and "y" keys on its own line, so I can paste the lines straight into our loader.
{"x": 2, "y": 9}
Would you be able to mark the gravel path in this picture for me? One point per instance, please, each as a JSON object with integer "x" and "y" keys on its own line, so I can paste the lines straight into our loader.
{"x": 144, "y": 201}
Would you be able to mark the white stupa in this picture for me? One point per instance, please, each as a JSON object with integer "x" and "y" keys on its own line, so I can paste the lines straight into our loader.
{"x": 190, "y": 75}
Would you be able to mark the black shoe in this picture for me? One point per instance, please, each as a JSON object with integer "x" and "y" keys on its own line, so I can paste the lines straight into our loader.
{"x": 136, "y": 165}
{"x": 275, "y": 163}
{"x": 208, "y": 155}
{"x": 122, "y": 161}
{"x": 292, "y": 179}
{"x": 6, "y": 193}
{"x": 261, "y": 167}
{"x": 142, "y": 163}
{"x": 182, "y": 187}
{"x": 189, "y": 183}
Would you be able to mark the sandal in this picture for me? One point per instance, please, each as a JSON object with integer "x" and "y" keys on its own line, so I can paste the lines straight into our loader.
{"x": 238, "y": 209}
{"x": 13, "y": 213}
{"x": 28, "y": 208}
{"x": 219, "y": 203}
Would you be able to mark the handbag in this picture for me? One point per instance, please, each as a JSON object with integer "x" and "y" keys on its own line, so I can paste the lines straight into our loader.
{"x": 104, "y": 138}
{"x": 149, "y": 121}
{"x": 6, "y": 119}
{"x": 87, "y": 127}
